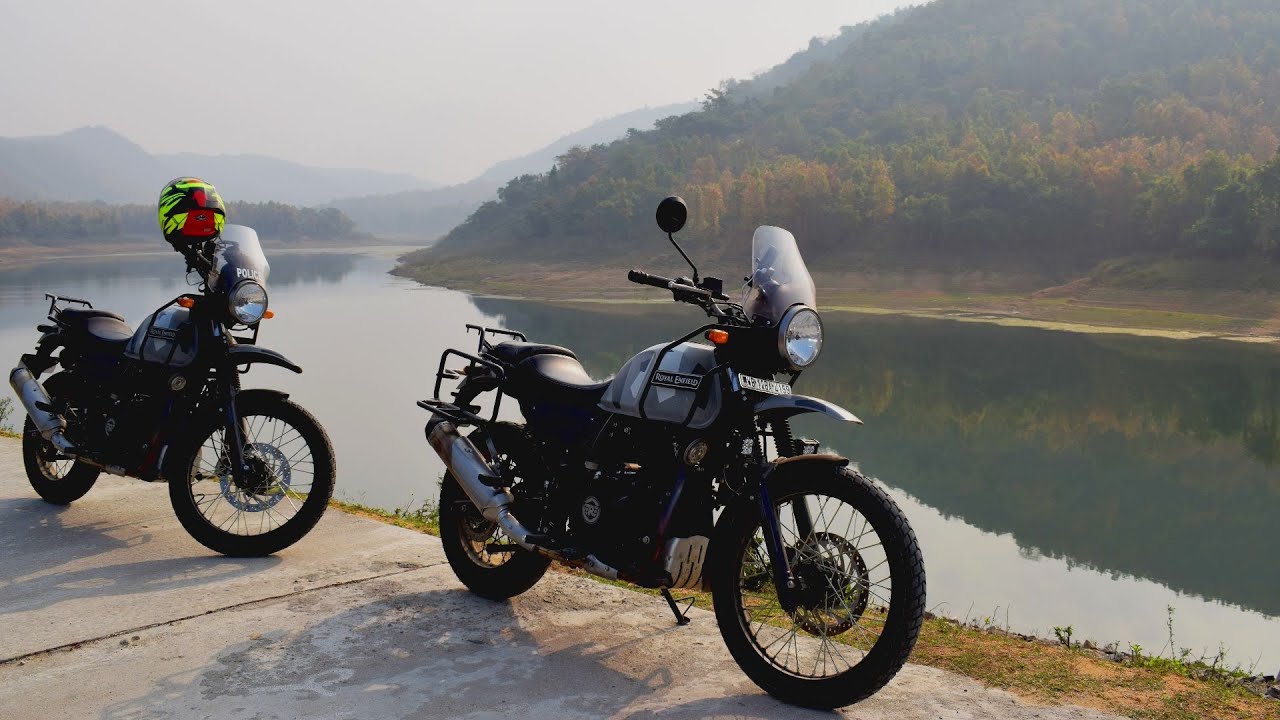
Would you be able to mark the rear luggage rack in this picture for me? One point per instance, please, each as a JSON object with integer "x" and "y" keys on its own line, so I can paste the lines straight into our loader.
{"x": 53, "y": 303}
{"x": 470, "y": 414}
{"x": 465, "y": 415}
{"x": 485, "y": 332}
{"x": 460, "y": 416}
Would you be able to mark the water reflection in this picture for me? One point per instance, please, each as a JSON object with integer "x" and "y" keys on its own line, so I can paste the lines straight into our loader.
{"x": 1129, "y": 455}
{"x": 1046, "y": 470}
{"x": 162, "y": 271}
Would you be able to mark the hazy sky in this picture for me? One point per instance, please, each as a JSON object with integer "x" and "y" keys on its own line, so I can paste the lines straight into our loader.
{"x": 438, "y": 89}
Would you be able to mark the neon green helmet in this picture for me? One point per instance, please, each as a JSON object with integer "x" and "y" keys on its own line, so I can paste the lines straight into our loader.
{"x": 191, "y": 211}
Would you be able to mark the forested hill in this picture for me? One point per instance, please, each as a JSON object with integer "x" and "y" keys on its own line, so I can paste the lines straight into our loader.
{"x": 964, "y": 131}
{"x": 68, "y": 224}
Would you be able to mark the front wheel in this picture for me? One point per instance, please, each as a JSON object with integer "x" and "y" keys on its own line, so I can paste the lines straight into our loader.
{"x": 280, "y": 497}
{"x": 856, "y": 611}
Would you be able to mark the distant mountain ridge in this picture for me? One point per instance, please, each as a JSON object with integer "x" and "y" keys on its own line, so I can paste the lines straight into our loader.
{"x": 602, "y": 131}
{"x": 431, "y": 213}
{"x": 99, "y": 164}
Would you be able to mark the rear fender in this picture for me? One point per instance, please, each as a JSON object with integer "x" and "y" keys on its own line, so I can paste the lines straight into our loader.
{"x": 42, "y": 359}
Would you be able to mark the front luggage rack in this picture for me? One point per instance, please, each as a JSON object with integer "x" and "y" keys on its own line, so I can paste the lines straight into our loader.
{"x": 175, "y": 339}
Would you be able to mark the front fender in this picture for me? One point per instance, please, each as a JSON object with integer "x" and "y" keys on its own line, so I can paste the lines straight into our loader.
{"x": 781, "y": 468}
{"x": 785, "y": 406}
{"x": 249, "y": 354}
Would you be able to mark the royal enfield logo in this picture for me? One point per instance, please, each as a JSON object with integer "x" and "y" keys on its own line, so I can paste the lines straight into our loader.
{"x": 591, "y": 510}
{"x": 676, "y": 380}
{"x": 162, "y": 333}
{"x": 247, "y": 273}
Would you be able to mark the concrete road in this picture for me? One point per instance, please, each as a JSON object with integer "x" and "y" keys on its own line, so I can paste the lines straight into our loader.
{"x": 108, "y": 609}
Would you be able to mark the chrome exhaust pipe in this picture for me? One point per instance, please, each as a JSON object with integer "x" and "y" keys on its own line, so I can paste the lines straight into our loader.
{"x": 36, "y": 401}
{"x": 468, "y": 466}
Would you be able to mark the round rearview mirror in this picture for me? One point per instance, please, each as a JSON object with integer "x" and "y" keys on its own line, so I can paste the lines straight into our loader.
{"x": 671, "y": 214}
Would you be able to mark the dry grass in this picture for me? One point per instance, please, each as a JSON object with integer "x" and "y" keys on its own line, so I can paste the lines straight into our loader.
{"x": 1054, "y": 674}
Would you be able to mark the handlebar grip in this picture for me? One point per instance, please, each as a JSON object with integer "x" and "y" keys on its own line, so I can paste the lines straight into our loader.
{"x": 644, "y": 278}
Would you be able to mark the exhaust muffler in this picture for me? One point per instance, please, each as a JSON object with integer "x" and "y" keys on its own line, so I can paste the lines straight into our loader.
{"x": 37, "y": 403}
{"x": 469, "y": 466}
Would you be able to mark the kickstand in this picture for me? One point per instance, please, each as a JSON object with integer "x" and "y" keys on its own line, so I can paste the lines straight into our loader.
{"x": 681, "y": 617}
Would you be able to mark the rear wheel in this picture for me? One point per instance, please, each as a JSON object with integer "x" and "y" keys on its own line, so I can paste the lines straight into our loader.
{"x": 278, "y": 499}
{"x": 57, "y": 479}
{"x": 469, "y": 542}
{"x": 858, "y": 605}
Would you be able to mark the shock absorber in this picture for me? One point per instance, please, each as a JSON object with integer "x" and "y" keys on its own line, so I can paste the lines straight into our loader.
{"x": 783, "y": 439}
{"x": 788, "y": 447}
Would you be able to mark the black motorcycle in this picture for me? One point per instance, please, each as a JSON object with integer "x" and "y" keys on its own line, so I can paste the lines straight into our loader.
{"x": 682, "y": 472}
{"x": 249, "y": 472}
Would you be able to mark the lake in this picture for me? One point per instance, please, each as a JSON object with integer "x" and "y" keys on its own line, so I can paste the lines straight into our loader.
{"x": 1053, "y": 478}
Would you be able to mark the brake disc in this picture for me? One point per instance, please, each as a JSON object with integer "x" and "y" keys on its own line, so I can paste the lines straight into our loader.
{"x": 262, "y": 458}
{"x": 837, "y": 585}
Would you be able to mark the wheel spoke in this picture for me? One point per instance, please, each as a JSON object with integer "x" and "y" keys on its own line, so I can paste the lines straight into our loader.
{"x": 269, "y": 494}
{"x": 840, "y": 567}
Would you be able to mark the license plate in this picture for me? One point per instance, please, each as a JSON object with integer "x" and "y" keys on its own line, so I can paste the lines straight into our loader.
{"x": 770, "y": 387}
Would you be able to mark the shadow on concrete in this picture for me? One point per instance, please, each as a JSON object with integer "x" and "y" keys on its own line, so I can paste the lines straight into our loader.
{"x": 34, "y": 538}
{"x": 436, "y": 654}
{"x": 31, "y": 528}
{"x": 145, "y": 576}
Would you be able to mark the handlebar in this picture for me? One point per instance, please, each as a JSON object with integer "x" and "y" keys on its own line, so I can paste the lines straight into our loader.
{"x": 644, "y": 278}
{"x": 681, "y": 292}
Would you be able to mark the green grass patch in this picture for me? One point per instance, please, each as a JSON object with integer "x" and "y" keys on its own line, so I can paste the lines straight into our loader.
{"x": 6, "y": 411}
{"x": 423, "y": 518}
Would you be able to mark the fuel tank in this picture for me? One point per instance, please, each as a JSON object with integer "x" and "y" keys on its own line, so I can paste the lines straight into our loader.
{"x": 167, "y": 337}
{"x": 680, "y": 392}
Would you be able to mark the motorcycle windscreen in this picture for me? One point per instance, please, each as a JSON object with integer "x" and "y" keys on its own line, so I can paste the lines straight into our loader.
{"x": 238, "y": 256}
{"x": 779, "y": 277}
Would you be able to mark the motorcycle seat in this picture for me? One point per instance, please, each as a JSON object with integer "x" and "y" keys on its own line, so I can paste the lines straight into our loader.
{"x": 555, "y": 377}
{"x": 102, "y": 327}
{"x": 514, "y": 353}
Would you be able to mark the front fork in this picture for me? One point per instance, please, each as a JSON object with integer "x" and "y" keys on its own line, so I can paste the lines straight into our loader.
{"x": 235, "y": 433}
{"x": 784, "y": 578}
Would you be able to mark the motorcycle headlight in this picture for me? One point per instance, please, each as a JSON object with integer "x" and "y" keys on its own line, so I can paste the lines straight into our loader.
{"x": 800, "y": 337}
{"x": 248, "y": 302}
